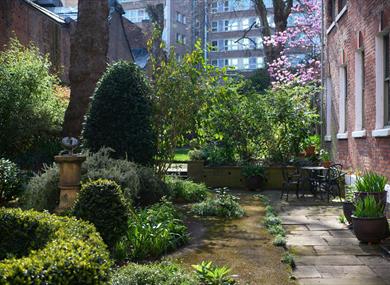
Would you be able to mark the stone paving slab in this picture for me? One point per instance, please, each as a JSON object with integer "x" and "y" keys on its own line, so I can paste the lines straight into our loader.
{"x": 343, "y": 281}
{"x": 311, "y": 233}
{"x": 328, "y": 260}
{"x": 341, "y": 271}
{"x": 305, "y": 240}
{"x": 343, "y": 250}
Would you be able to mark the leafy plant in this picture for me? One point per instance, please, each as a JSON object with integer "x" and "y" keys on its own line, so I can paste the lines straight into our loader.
{"x": 249, "y": 170}
{"x": 151, "y": 233}
{"x": 350, "y": 193}
{"x": 371, "y": 182}
{"x": 342, "y": 219}
{"x": 164, "y": 273}
{"x": 151, "y": 188}
{"x": 288, "y": 258}
{"x": 222, "y": 205}
{"x": 102, "y": 203}
{"x": 120, "y": 115}
{"x": 197, "y": 154}
{"x": 40, "y": 248}
{"x": 324, "y": 155}
{"x": 279, "y": 240}
{"x": 368, "y": 208}
{"x": 313, "y": 140}
{"x": 185, "y": 190}
{"x": 10, "y": 180}
{"x": 29, "y": 107}
{"x": 210, "y": 274}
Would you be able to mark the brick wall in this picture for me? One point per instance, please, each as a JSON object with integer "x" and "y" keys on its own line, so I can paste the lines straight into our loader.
{"x": 362, "y": 16}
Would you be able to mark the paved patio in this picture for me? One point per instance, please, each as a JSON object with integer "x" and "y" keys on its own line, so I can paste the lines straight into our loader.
{"x": 326, "y": 251}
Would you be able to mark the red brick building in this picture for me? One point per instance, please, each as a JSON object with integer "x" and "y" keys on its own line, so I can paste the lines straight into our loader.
{"x": 357, "y": 83}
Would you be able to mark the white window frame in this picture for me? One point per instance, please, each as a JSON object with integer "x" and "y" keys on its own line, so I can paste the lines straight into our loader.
{"x": 381, "y": 129}
{"x": 359, "y": 131}
{"x": 328, "y": 92}
{"x": 343, "y": 133}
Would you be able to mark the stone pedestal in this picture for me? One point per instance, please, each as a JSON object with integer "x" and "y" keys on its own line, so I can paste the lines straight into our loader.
{"x": 70, "y": 175}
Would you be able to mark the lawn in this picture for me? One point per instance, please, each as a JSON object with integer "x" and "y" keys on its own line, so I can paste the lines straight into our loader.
{"x": 181, "y": 154}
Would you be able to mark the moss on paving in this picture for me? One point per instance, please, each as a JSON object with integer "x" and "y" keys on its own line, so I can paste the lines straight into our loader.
{"x": 242, "y": 244}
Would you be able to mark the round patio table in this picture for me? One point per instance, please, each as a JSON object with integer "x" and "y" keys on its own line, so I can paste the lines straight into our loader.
{"x": 315, "y": 178}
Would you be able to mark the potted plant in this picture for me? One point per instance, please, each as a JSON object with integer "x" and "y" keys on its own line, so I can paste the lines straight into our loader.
{"x": 371, "y": 184}
{"x": 310, "y": 144}
{"x": 325, "y": 158}
{"x": 369, "y": 221}
{"x": 254, "y": 176}
{"x": 348, "y": 206}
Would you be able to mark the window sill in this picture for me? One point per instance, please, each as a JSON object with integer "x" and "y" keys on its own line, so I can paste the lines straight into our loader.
{"x": 328, "y": 138}
{"x": 359, "y": 134}
{"x": 342, "y": 136}
{"x": 381, "y": 132}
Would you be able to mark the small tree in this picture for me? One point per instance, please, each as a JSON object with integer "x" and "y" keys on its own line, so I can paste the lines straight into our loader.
{"x": 120, "y": 115}
{"x": 29, "y": 109}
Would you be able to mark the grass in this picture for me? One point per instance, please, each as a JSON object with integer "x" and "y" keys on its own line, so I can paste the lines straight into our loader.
{"x": 181, "y": 154}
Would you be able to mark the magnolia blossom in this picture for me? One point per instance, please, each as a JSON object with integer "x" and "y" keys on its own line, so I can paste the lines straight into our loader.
{"x": 304, "y": 34}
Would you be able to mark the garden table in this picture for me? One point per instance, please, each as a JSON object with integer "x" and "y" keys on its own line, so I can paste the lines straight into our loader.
{"x": 315, "y": 178}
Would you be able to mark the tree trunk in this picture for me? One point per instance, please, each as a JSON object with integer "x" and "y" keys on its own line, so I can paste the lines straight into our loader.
{"x": 88, "y": 61}
{"x": 282, "y": 10}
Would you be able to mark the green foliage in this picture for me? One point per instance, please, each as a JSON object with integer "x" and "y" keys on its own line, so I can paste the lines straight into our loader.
{"x": 313, "y": 140}
{"x": 249, "y": 170}
{"x": 102, "y": 203}
{"x": 152, "y": 232}
{"x": 164, "y": 273}
{"x": 42, "y": 192}
{"x": 288, "y": 258}
{"x": 210, "y": 274}
{"x": 10, "y": 180}
{"x": 120, "y": 115}
{"x": 324, "y": 155}
{"x": 371, "y": 182}
{"x": 217, "y": 154}
{"x": 197, "y": 154}
{"x": 40, "y": 248}
{"x": 259, "y": 81}
{"x": 151, "y": 188}
{"x": 185, "y": 190}
{"x": 180, "y": 90}
{"x": 350, "y": 192}
{"x": 368, "y": 208}
{"x": 342, "y": 219}
{"x": 222, "y": 205}
{"x": 29, "y": 108}
{"x": 279, "y": 240}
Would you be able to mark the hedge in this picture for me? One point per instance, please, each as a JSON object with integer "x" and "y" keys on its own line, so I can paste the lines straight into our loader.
{"x": 39, "y": 248}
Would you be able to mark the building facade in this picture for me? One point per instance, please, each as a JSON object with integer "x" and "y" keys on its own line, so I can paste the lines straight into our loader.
{"x": 177, "y": 32}
{"x": 357, "y": 83}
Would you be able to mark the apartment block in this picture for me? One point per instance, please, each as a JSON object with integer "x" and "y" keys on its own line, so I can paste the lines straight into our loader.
{"x": 357, "y": 83}
{"x": 178, "y": 21}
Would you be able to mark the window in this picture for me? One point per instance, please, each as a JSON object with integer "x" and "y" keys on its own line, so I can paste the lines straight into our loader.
{"x": 214, "y": 62}
{"x": 386, "y": 47}
{"x": 214, "y": 7}
{"x": 183, "y": 39}
{"x": 328, "y": 90}
{"x": 359, "y": 94}
{"x": 184, "y": 20}
{"x": 332, "y": 10}
{"x": 226, "y": 6}
{"x": 214, "y": 26}
{"x": 342, "y": 134}
{"x": 179, "y": 17}
{"x": 245, "y": 63}
{"x": 342, "y": 4}
{"x": 214, "y": 45}
{"x": 136, "y": 16}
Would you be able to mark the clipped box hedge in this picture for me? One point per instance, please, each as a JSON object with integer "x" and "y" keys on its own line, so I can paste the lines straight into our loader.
{"x": 39, "y": 248}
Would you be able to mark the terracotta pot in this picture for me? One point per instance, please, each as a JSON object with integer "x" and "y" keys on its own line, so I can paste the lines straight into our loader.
{"x": 254, "y": 182}
{"x": 310, "y": 150}
{"x": 380, "y": 197}
{"x": 326, "y": 163}
{"x": 348, "y": 208}
{"x": 370, "y": 229}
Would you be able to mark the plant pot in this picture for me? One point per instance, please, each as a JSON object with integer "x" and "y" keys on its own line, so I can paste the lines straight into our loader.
{"x": 326, "y": 163}
{"x": 348, "y": 208}
{"x": 370, "y": 229}
{"x": 310, "y": 150}
{"x": 253, "y": 182}
{"x": 380, "y": 197}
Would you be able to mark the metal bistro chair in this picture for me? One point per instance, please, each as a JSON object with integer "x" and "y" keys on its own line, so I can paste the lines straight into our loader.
{"x": 291, "y": 178}
{"x": 331, "y": 181}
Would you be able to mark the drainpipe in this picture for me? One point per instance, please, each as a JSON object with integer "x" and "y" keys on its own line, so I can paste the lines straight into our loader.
{"x": 322, "y": 74}
{"x": 205, "y": 29}
{"x": 167, "y": 26}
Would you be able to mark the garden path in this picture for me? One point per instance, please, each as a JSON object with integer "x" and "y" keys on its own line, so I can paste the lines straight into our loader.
{"x": 326, "y": 251}
{"x": 242, "y": 244}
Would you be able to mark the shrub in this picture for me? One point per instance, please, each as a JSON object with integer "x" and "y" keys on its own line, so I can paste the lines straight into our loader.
{"x": 223, "y": 205}
{"x": 120, "y": 115}
{"x": 279, "y": 240}
{"x": 10, "y": 180}
{"x": 151, "y": 188}
{"x": 151, "y": 233}
{"x": 371, "y": 182}
{"x": 186, "y": 190}
{"x": 29, "y": 109}
{"x": 210, "y": 274}
{"x": 165, "y": 273}
{"x": 42, "y": 192}
{"x": 102, "y": 203}
{"x": 124, "y": 172}
{"x": 288, "y": 258}
{"x": 46, "y": 249}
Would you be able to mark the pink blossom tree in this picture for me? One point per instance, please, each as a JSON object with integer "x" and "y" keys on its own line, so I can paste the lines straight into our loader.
{"x": 304, "y": 35}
